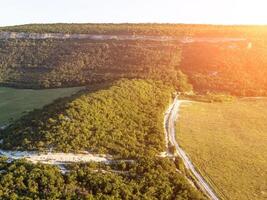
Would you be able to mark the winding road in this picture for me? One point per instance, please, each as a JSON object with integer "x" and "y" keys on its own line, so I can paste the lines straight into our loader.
{"x": 170, "y": 117}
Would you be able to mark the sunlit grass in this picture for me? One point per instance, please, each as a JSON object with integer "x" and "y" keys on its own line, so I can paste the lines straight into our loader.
{"x": 15, "y": 102}
{"x": 228, "y": 143}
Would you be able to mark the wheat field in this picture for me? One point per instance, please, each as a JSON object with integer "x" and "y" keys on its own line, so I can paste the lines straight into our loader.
{"x": 228, "y": 144}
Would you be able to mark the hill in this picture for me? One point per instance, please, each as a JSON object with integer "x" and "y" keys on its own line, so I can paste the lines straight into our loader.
{"x": 64, "y": 63}
{"x": 238, "y": 68}
{"x": 124, "y": 120}
{"x": 229, "y": 59}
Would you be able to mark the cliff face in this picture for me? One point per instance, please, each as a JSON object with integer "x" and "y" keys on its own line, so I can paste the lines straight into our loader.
{"x": 40, "y": 36}
{"x": 15, "y": 35}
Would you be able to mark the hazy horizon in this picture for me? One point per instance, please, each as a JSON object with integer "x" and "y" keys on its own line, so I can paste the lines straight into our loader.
{"x": 234, "y": 12}
{"x": 133, "y": 23}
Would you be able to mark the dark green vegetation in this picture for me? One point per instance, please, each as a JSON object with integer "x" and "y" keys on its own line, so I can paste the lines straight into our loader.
{"x": 212, "y": 64}
{"x": 16, "y": 102}
{"x": 124, "y": 120}
{"x": 64, "y": 63}
{"x": 145, "y": 179}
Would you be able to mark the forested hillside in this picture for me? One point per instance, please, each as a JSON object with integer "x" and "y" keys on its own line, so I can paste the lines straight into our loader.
{"x": 229, "y": 59}
{"x": 62, "y": 63}
{"x": 124, "y": 120}
{"x": 238, "y": 68}
{"x": 145, "y": 179}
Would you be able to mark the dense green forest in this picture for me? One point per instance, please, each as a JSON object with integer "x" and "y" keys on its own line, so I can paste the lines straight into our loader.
{"x": 63, "y": 63}
{"x": 144, "y": 179}
{"x": 124, "y": 120}
{"x": 234, "y": 67}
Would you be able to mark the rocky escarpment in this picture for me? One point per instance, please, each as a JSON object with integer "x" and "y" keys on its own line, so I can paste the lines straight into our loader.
{"x": 39, "y": 36}
{"x": 22, "y": 35}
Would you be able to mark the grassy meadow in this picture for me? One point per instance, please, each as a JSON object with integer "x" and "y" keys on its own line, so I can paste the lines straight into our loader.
{"x": 228, "y": 144}
{"x": 15, "y": 102}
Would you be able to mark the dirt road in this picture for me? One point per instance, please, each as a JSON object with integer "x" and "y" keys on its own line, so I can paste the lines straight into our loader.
{"x": 170, "y": 118}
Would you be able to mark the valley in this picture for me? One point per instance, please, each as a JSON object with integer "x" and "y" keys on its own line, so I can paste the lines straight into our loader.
{"x": 133, "y": 111}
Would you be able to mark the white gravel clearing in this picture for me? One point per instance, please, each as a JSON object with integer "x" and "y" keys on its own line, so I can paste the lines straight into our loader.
{"x": 55, "y": 158}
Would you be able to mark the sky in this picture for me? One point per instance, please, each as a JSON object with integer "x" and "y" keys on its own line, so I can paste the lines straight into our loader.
{"x": 13, "y": 12}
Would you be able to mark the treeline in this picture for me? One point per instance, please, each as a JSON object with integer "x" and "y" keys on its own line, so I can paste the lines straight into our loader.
{"x": 65, "y": 63}
{"x": 143, "y": 29}
{"x": 145, "y": 179}
{"x": 124, "y": 120}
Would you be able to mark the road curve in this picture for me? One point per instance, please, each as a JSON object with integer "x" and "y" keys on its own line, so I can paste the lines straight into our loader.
{"x": 171, "y": 115}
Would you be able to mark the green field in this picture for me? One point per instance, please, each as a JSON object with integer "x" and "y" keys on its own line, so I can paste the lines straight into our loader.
{"x": 228, "y": 144}
{"x": 15, "y": 102}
